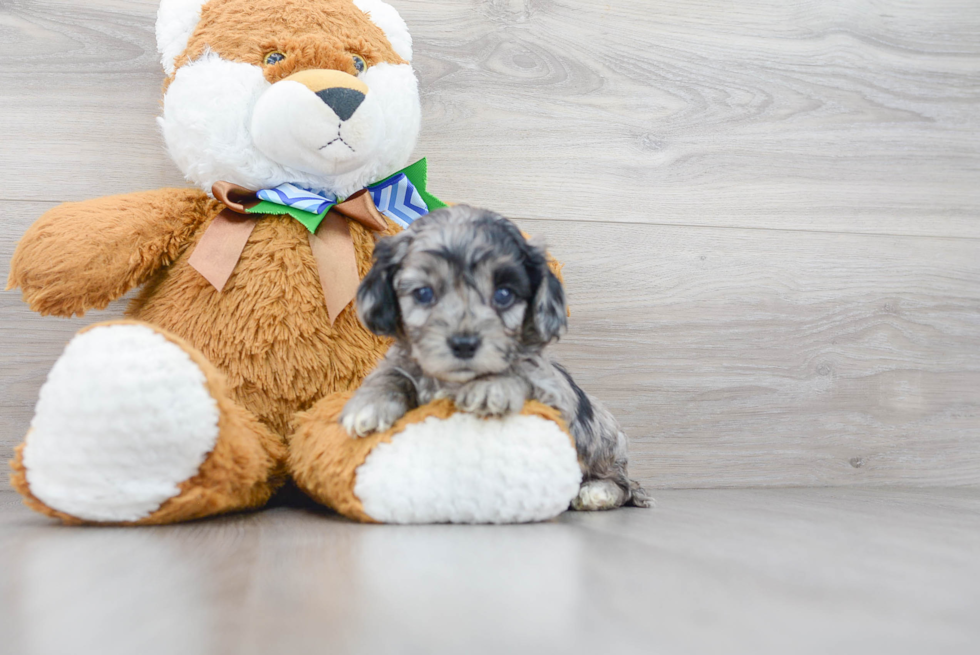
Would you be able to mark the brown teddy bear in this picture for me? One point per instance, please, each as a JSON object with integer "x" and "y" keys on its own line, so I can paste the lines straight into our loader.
{"x": 295, "y": 120}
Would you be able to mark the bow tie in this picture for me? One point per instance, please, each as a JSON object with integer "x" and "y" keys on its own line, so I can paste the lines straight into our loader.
{"x": 401, "y": 197}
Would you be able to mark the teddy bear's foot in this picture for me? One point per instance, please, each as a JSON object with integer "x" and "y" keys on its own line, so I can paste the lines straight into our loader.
{"x": 437, "y": 465}
{"x": 133, "y": 425}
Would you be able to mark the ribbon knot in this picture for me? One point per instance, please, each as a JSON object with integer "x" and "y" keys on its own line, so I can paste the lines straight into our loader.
{"x": 401, "y": 197}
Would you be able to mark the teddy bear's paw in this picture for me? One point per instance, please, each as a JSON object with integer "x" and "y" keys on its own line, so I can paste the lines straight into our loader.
{"x": 494, "y": 396}
{"x": 369, "y": 412}
{"x": 598, "y": 495}
{"x": 464, "y": 469}
{"x": 124, "y": 417}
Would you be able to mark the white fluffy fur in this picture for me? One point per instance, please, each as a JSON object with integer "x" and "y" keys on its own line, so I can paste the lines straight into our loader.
{"x": 314, "y": 140}
{"x": 391, "y": 23}
{"x": 123, "y": 418}
{"x": 223, "y": 121}
{"x": 470, "y": 470}
{"x": 210, "y": 124}
{"x": 176, "y": 21}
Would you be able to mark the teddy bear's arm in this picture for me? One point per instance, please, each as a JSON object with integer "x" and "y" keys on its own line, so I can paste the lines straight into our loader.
{"x": 84, "y": 255}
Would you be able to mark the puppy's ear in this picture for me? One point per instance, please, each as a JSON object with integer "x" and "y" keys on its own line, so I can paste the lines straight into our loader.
{"x": 550, "y": 310}
{"x": 377, "y": 302}
{"x": 547, "y": 313}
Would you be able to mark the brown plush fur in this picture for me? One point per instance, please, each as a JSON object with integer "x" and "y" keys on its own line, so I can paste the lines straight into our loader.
{"x": 267, "y": 331}
{"x": 248, "y": 30}
{"x": 265, "y": 341}
{"x": 243, "y": 470}
{"x": 323, "y": 458}
{"x": 84, "y": 255}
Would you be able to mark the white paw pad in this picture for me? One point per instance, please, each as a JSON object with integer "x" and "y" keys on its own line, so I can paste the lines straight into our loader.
{"x": 124, "y": 417}
{"x": 470, "y": 470}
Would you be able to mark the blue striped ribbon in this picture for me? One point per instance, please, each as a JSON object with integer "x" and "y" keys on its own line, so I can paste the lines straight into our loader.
{"x": 397, "y": 198}
{"x": 290, "y": 195}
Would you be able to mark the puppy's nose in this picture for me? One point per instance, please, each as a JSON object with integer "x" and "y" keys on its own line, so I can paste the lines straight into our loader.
{"x": 343, "y": 101}
{"x": 464, "y": 346}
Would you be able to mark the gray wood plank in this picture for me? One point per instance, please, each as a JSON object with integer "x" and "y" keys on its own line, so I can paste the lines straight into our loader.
{"x": 732, "y": 357}
{"x": 828, "y": 116}
{"x": 79, "y": 100}
{"x": 756, "y": 357}
{"x": 707, "y": 571}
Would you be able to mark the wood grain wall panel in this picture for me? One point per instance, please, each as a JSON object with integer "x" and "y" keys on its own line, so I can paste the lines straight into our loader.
{"x": 824, "y": 116}
{"x": 748, "y": 357}
{"x": 838, "y": 116}
{"x": 732, "y": 357}
{"x": 769, "y": 211}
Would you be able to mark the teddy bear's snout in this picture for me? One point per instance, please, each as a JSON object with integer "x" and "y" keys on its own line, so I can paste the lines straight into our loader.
{"x": 341, "y": 92}
{"x": 319, "y": 121}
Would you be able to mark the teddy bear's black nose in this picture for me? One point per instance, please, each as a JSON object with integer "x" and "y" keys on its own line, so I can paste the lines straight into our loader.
{"x": 343, "y": 101}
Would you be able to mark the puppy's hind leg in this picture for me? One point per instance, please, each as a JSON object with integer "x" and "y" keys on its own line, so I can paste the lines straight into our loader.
{"x": 603, "y": 448}
{"x": 610, "y": 493}
{"x": 598, "y": 495}
{"x": 606, "y": 483}
{"x": 639, "y": 496}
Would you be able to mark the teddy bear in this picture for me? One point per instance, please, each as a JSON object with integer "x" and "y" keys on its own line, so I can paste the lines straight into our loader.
{"x": 294, "y": 120}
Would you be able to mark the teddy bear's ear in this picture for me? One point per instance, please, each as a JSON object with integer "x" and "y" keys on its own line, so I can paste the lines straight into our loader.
{"x": 176, "y": 21}
{"x": 391, "y": 23}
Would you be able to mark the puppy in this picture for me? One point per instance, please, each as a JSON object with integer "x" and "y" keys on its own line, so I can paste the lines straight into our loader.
{"x": 472, "y": 306}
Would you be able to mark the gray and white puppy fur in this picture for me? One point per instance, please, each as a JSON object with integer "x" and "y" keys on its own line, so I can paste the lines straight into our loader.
{"x": 472, "y": 306}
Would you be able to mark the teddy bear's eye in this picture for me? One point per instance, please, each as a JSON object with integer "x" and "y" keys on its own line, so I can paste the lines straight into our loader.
{"x": 359, "y": 63}
{"x": 274, "y": 58}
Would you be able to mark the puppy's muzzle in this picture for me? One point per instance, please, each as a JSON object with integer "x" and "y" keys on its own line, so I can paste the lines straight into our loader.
{"x": 341, "y": 92}
{"x": 464, "y": 346}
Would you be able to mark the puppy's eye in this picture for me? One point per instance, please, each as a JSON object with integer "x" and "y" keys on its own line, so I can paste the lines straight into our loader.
{"x": 503, "y": 297}
{"x": 274, "y": 58}
{"x": 424, "y": 296}
{"x": 359, "y": 64}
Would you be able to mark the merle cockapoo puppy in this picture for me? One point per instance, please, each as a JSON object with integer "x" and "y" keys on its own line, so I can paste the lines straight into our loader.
{"x": 472, "y": 306}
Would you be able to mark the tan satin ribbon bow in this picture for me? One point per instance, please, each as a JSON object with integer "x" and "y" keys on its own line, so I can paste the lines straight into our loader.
{"x": 222, "y": 243}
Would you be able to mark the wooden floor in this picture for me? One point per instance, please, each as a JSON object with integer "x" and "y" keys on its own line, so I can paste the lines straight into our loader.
{"x": 707, "y": 571}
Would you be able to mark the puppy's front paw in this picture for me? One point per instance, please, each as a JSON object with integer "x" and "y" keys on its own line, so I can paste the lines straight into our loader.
{"x": 494, "y": 396}
{"x": 366, "y": 413}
